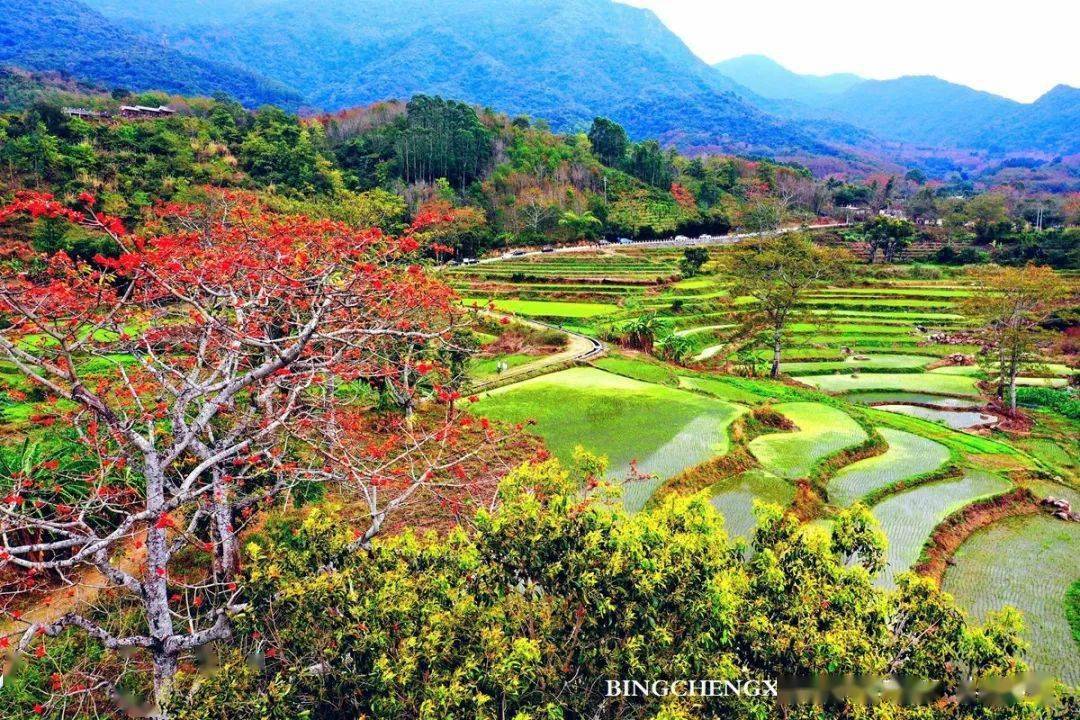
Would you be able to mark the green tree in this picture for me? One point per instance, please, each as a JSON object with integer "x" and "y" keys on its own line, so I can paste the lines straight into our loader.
{"x": 989, "y": 217}
{"x": 442, "y": 139}
{"x": 649, "y": 163}
{"x": 1012, "y": 303}
{"x": 583, "y": 225}
{"x": 693, "y": 259}
{"x": 923, "y": 206}
{"x": 608, "y": 140}
{"x": 282, "y": 151}
{"x": 888, "y": 235}
{"x": 778, "y": 272}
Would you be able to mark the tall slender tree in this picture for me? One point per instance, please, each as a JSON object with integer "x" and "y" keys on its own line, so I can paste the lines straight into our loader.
{"x": 1012, "y": 304}
{"x": 777, "y": 273}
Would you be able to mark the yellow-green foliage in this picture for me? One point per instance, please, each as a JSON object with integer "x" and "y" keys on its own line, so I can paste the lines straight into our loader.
{"x": 519, "y": 616}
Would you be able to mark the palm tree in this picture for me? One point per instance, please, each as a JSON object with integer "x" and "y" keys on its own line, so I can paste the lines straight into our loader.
{"x": 582, "y": 225}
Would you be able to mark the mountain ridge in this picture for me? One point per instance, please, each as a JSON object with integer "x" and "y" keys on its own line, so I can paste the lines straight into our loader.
{"x": 770, "y": 79}
{"x": 71, "y": 37}
{"x": 565, "y": 61}
{"x": 919, "y": 109}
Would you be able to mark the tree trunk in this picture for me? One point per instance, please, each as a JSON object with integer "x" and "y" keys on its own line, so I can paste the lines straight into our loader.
{"x": 165, "y": 665}
{"x": 775, "y": 372}
{"x": 1014, "y": 370}
{"x": 1001, "y": 370}
{"x": 156, "y": 586}
{"x": 229, "y": 553}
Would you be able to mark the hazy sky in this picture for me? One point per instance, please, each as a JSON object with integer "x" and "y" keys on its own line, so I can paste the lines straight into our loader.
{"x": 1016, "y": 48}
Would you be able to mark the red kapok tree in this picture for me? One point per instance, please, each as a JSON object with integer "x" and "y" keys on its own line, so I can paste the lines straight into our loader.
{"x": 211, "y": 359}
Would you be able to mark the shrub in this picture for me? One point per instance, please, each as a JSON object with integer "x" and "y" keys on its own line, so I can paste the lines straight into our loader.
{"x": 525, "y": 614}
{"x": 1072, "y": 610}
{"x": 1063, "y": 402}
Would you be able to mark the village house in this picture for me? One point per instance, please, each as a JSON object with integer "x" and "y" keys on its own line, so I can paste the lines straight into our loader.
{"x": 84, "y": 113}
{"x": 142, "y": 111}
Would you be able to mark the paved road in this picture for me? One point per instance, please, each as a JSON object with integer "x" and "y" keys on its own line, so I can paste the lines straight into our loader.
{"x": 666, "y": 242}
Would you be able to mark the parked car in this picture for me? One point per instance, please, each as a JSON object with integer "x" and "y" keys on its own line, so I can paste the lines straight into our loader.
{"x": 625, "y": 241}
{"x": 548, "y": 248}
{"x": 517, "y": 253}
{"x": 469, "y": 261}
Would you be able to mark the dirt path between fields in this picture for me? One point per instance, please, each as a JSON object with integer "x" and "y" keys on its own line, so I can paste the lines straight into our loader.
{"x": 579, "y": 348}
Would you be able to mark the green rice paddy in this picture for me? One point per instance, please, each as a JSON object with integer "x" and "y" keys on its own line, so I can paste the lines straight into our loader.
{"x": 1028, "y": 562}
{"x": 907, "y": 382}
{"x": 545, "y": 308}
{"x": 665, "y": 430}
{"x": 908, "y": 456}
{"x": 735, "y": 496}
{"x": 908, "y": 518}
{"x": 870, "y": 363}
{"x": 822, "y": 431}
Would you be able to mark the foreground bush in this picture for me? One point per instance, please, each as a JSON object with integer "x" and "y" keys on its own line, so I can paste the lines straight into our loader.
{"x": 529, "y": 612}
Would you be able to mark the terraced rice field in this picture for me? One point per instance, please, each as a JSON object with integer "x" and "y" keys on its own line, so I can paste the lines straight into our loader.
{"x": 1027, "y": 562}
{"x": 908, "y": 518}
{"x": 868, "y": 364}
{"x": 664, "y": 429}
{"x": 908, "y": 456}
{"x": 899, "y": 397}
{"x": 956, "y": 419}
{"x": 735, "y": 497}
{"x": 959, "y": 442}
{"x": 906, "y": 382}
{"x": 822, "y": 431}
{"x": 544, "y": 308}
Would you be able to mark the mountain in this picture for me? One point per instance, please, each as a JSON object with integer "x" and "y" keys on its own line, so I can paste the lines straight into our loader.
{"x": 770, "y": 79}
{"x": 565, "y": 61}
{"x": 1050, "y": 123}
{"x": 70, "y": 37}
{"x": 923, "y": 110}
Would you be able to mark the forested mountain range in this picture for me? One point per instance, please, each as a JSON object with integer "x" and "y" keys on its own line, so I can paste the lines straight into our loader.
{"x": 918, "y": 109}
{"x": 69, "y": 36}
{"x": 565, "y": 61}
{"x": 562, "y": 60}
{"x": 770, "y": 79}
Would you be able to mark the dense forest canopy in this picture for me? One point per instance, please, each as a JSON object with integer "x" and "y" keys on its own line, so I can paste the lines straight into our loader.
{"x": 527, "y": 184}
